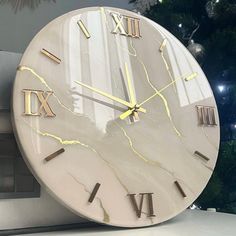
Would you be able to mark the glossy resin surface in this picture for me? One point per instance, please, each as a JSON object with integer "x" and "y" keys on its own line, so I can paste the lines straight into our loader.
{"x": 169, "y": 152}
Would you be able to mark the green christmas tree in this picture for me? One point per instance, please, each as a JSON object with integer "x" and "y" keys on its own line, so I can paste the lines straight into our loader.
{"x": 212, "y": 26}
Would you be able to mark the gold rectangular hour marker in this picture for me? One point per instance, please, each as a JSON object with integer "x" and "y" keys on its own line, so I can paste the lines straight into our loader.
{"x": 84, "y": 29}
{"x": 177, "y": 184}
{"x": 163, "y": 45}
{"x": 206, "y": 116}
{"x": 51, "y": 56}
{"x": 191, "y": 77}
{"x": 93, "y": 194}
{"x": 201, "y": 155}
{"x": 55, "y": 154}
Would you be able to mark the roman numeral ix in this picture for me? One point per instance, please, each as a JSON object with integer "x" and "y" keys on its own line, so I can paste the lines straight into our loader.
{"x": 41, "y": 102}
{"x": 126, "y": 25}
{"x": 138, "y": 208}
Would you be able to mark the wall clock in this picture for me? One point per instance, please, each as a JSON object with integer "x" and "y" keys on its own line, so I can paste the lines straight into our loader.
{"x": 115, "y": 118}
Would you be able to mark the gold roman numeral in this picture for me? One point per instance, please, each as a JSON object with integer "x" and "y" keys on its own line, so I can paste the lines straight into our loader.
{"x": 42, "y": 99}
{"x": 138, "y": 208}
{"x": 126, "y": 25}
{"x": 206, "y": 116}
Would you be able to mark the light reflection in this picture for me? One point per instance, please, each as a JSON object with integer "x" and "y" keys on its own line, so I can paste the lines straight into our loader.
{"x": 221, "y": 88}
{"x": 194, "y": 207}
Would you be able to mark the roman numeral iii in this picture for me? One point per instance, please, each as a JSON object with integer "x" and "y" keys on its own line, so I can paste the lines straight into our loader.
{"x": 138, "y": 207}
{"x": 127, "y": 26}
{"x": 206, "y": 116}
{"x": 40, "y": 100}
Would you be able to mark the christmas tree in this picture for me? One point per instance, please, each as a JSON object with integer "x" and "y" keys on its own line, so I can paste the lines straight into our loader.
{"x": 208, "y": 29}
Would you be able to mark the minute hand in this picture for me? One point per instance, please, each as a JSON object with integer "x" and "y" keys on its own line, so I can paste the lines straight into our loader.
{"x": 188, "y": 78}
{"x": 123, "y": 102}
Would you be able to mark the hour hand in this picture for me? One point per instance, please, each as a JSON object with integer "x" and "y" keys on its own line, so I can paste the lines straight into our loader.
{"x": 130, "y": 87}
{"x": 116, "y": 99}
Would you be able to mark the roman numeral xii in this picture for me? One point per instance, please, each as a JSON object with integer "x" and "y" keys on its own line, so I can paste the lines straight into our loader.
{"x": 126, "y": 25}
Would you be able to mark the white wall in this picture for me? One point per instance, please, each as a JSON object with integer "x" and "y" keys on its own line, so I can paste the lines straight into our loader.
{"x": 34, "y": 212}
{"x": 17, "y": 29}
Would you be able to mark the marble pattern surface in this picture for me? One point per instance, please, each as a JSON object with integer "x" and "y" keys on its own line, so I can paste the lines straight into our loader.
{"x": 125, "y": 157}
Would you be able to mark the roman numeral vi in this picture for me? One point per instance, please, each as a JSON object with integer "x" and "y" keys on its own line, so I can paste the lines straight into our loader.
{"x": 138, "y": 207}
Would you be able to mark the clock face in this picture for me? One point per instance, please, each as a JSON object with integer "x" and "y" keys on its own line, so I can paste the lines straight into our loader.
{"x": 115, "y": 118}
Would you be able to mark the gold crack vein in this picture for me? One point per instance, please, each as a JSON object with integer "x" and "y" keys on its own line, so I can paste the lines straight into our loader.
{"x": 77, "y": 142}
{"x": 158, "y": 93}
{"x": 139, "y": 155}
{"x": 106, "y": 217}
{"x": 167, "y": 86}
{"x": 63, "y": 142}
{"x": 155, "y": 163}
{"x": 134, "y": 53}
{"x": 161, "y": 49}
{"x": 77, "y": 181}
{"x": 43, "y": 81}
{"x": 131, "y": 144}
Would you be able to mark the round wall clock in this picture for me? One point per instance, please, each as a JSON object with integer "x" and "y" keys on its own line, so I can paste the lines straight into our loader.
{"x": 115, "y": 118}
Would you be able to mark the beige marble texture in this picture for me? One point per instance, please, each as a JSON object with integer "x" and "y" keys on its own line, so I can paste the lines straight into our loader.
{"x": 125, "y": 157}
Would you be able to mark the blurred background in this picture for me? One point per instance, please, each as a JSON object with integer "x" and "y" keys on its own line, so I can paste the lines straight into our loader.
{"x": 206, "y": 27}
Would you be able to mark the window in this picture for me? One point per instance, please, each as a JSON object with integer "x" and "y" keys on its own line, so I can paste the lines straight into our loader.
{"x": 16, "y": 180}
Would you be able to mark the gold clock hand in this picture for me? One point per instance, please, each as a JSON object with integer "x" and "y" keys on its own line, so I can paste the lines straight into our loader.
{"x": 126, "y": 114}
{"x": 188, "y": 78}
{"x": 129, "y": 112}
{"x": 125, "y": 103}
{"x": 131, "y": 92}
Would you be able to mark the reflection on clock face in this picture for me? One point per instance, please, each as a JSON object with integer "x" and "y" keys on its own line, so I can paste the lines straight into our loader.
{"x": 115, "y": 118}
